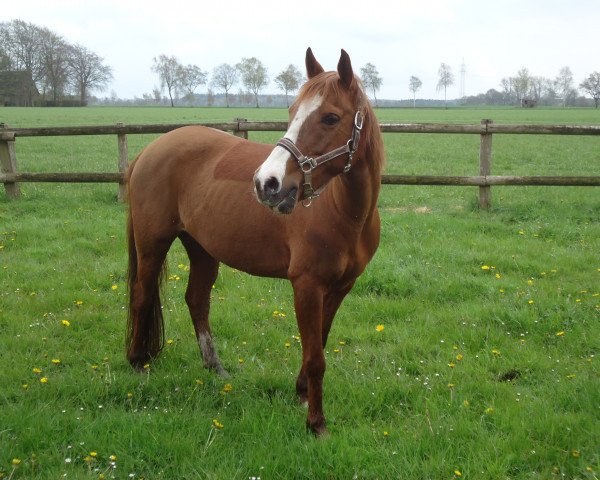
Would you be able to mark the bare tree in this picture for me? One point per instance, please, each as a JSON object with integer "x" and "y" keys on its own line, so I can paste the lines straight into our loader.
{"x": 254, "y": 75}
{"x": 55, "y": 57}
{"x": 521, "y": 84}
{"x": 87, "y": 71}
{"x": 414, "y": 85}
{"x": 224, "y": 77}
{"x": 191, "y": 77}
{"x": 446, "y": 78}
{"x": 371, "y": 79}
{"x": 564, "y": 84}
{"x": 168, "y": 71}
{"x": 289, "y": 80}
{"x": 591, "y": 85}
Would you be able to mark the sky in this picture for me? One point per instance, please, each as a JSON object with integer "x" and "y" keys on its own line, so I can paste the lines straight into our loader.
{"x": 493, "y": 39}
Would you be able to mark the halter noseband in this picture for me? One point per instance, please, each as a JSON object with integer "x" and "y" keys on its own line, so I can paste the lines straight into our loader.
{"x": 308, "y": 164}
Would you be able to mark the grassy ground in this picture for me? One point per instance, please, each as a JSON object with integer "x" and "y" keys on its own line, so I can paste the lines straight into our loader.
{"x": 486, "y": 366}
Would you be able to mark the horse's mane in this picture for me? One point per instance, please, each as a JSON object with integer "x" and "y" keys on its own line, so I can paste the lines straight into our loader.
{"x": 328, "y": 83}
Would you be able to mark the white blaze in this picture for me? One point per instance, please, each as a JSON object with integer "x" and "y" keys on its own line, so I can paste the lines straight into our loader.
{"x": 274, "y": 165}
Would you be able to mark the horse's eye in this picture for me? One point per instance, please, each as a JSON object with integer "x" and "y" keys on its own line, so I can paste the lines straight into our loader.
{"x": 330, "y": 119}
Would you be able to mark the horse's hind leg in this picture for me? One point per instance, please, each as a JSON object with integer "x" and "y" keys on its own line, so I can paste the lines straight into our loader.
{"x": 145, "y": 325}
{"x": 203, "y": 273}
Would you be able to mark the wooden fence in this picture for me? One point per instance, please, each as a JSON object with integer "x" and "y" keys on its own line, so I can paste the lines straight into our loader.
{"x": 11, "y": 177}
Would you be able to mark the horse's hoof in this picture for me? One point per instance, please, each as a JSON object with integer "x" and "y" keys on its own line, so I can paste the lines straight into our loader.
{"x": 318, "y": 428}
{"x": 221, "y": 371}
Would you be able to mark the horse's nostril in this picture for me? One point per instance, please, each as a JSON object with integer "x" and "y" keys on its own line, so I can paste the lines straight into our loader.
{"x": 271, "y": 186}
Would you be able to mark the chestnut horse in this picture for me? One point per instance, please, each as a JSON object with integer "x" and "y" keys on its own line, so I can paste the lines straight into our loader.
{"x": 201, "y": 185}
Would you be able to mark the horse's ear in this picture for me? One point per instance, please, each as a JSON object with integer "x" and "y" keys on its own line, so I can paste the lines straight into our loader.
{"x": 345, "y": 70}
{"x": 313, "y": 68}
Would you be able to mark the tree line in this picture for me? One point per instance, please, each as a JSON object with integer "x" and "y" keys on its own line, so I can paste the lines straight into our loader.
{"x": 181, "y": 81}
{"x": 59, "y": 69}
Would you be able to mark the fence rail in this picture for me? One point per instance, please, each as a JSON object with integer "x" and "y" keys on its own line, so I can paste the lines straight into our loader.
{"x": 11, "y": 178}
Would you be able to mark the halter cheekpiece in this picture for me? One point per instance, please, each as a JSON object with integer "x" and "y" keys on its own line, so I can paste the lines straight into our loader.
{"x": 308, "y": 164}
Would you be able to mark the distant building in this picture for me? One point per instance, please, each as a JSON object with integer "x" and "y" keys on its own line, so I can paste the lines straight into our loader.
{"x": 17, "y": 89}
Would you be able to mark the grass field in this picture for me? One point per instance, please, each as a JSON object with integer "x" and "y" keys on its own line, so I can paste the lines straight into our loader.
{"x": 487, "y": 366}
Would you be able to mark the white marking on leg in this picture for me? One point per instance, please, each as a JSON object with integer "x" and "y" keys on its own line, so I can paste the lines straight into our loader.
{"x": 275, "y": 164}
{"x": 209, "y": 354}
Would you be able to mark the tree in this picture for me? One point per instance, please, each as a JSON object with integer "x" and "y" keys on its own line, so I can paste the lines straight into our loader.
{"x": 224, "y": 77}
{"x": 371, "y": 79}
{"x": 591, "y": 85}
{"x": 168, "y": 71}
{"x": 254, "y": 75}
{"x": 289, "y": 80}
{"x": 55, "y": 57}
{"x": 87, "y": 71}
{"x": 564, "y": 84}
{"x": 521, "y": 84}
{"x": 446, "y": 78}
{"x": 414, "y": 85}
{"x": 191, "y": 77}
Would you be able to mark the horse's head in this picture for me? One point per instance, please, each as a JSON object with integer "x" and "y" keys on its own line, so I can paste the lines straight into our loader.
{"x": 323, "y": 134}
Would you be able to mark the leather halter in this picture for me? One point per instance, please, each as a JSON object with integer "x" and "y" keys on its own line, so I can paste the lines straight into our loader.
{"x": 308, "y": 164}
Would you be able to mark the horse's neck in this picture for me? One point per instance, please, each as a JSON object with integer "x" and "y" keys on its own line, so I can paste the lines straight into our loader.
{"x": 355, "y": 193}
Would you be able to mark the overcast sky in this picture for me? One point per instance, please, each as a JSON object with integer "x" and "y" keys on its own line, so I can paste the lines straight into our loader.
{"x": 400, "y": 37}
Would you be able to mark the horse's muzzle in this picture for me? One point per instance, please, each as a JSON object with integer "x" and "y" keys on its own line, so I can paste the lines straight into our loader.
{"x": 281, "y": 200}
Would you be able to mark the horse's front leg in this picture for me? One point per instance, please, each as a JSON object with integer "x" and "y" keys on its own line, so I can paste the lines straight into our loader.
{"x": 308, "y": 301}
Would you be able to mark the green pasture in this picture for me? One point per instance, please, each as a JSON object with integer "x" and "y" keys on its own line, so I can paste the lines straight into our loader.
{"x": 486, "y": 366}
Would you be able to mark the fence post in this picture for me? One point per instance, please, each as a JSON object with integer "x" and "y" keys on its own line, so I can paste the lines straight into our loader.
{"x": 240, "y": 133}
{"x": 485, "y": 165}
{"x": 8, "y": 162}
{"x": 123, "y": 162}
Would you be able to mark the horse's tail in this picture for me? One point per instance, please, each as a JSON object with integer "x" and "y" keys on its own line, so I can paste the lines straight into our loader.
{"x": 145, "y": 327}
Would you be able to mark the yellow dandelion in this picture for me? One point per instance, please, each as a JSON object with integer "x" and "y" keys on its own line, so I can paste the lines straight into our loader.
{"x": 496, "y": 352}
{"x": 466, "y": 403}
{"x": 94, "y": 367}
{"x": 341, "y": 342}
{"x": 576, "y": 453}
{"x": 459, "y": 357}
{"x": 129, "y": 395}
{"x": 571, "y": 376}
{"x": 146, "y": 366}
{"x": 93, "y": 454}
{"x": 489, "y": 410}
{"x": 170, "y": 341}
{"x": 44, "y": 380}
{"x": 114, "y": 287}
{"x": 25, "y": 386}
{"x": 65, "y": 323}
{"x": 386, "y": 433}
{"x": 379, "y": 328}
{"x": 56, "y": 361}
{"x": 530, "y": 302}
{"x": 16, "y": 462}
{"x": 560, "y": 334}
{"x": 530, "y": 282}
{"x": 458, "y": 473}
{"x": 451, "y": 365}
{"x": 241, "y": 361}
{"x": 227, "y": 388}
{"x": 78, "y": 303}
{"x": 217, "y": 424}
{"x": 36, "y": 370}
{"x": 498, "y": 276}
{"x": 485, "y": 267}
{"x": 451, "y": 385}
{"x": 113, "y": 458}
{"x": 336, "y": 350}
